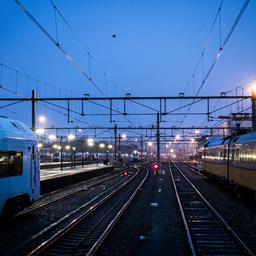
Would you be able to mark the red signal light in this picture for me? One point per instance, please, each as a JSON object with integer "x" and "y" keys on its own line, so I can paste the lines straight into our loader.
{"x": 156, "y": 166}
{"x": 125, "y": 173}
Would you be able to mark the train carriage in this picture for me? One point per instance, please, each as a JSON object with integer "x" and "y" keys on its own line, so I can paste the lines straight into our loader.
{"x": 232, "y": 159}
{"x": 19, "y": 166}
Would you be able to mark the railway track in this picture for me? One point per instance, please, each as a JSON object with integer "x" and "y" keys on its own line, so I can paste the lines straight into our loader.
{"x": 82, "y": 231}
{"x": 62, "y": 194}
{"x": 207, "y": 232}
{"x": 193, "y": 169}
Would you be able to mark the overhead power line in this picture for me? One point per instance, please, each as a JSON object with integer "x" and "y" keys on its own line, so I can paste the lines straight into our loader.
{"x": 219, "y": 52}
{"x": 57, "y": 44}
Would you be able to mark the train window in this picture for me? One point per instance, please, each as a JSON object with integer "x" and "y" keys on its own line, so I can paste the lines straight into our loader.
{"x": 11, "y": 163}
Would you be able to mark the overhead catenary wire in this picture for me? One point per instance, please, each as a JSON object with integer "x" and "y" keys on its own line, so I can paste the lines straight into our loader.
{"x": 62, "y": 50}
{"x": 89, "y": 55}
{"x": 220, "y": 51}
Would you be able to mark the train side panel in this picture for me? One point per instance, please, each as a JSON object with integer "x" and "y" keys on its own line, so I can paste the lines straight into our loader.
{"x": 219, "y": 170}
{"x": 19, "y": 166}
{"x": 243, "y": 177}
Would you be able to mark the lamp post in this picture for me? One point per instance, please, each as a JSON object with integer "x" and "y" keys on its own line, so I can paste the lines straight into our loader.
{"x": 70, "y": 138}
{"x": 101, "y": 145}
{"x": 90, "y": 143}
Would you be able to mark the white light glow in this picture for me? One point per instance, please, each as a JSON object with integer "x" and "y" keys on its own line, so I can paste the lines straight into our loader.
{"x": 41, "y": 119}
{"x": 71, "y": 136}
{"x": 102, "y": 145}
{"x": 52, "y": 137}
{"x": 40, "y": 145}
{"x": 40, "y": 131}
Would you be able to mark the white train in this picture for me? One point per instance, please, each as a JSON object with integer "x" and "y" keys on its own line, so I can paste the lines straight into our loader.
{"x": 19, "y": 166}
{"x": 135, "y": 156}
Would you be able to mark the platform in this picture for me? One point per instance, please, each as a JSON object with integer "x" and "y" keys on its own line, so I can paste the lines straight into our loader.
{"x": 54, "y": 178}
{"x": 46, "y": 174}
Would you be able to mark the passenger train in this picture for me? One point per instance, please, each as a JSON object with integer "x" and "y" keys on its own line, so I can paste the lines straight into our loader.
{"x": 19, "y": 166}
{"x": 135, "y": 156}
{"x": 232, "y": 159}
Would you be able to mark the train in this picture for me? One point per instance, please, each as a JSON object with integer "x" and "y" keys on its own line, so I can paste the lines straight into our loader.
{"x": 135, "y": 156}
{"x": 19, "y": 167}
{"x": 232, "y": 159}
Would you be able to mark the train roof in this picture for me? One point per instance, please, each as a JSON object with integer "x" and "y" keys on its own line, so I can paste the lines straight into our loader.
{"x": 217, "y": 141}
{"x": 213, "y": 141}
{"x": 15, "y": 129}
{"x": 248, "y": 137}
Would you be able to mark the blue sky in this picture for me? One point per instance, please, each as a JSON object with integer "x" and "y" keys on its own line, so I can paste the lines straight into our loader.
{"x": 157, "y": 46}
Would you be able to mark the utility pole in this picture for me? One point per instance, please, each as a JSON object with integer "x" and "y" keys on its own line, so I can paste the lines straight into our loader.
{"x": 141, "y": 149}
{"x": 115, "y": 143}
{"x": 254, "y": 110}
{"x": 61, "y": 152}
{"x": 119, "y": 144}
{"x": 158, "y": 138}
{"x": 33, "y": 110}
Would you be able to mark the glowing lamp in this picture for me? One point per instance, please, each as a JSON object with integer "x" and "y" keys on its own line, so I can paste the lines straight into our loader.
{"x": 155, "y": 166}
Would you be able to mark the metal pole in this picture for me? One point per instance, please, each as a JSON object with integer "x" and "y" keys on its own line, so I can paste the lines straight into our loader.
{"x": 119, "y": 143}
{"x": 141, "y": 149}
{"x": 97, "y": 154}
{"x": 82, "y": 153}
{"x": 115, "y": 143}
{"x": 158, "y": 138}
{"x": 74, "y": 153}
{"x": 254, "y": 110}
{"x": 61, "y": 153}
{"x": 33, "y": 110}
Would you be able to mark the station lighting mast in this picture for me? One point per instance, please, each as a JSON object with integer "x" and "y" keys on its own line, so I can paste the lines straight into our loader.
{"x": 254, "y": 109}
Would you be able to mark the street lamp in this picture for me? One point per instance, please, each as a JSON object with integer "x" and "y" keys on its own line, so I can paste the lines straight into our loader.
{"x": 102, "y": 145}
{"x": 40, "y": 131}
{"x": 197, "y": 132}
{"x": 124, "y": 137}
{"x": 55, "y": 146}
{"x": 150, "y": 143}
{"x": 52, "y": 137}
{"x": 39, "y": 145}
{"x": 90, "y": 143}
{"x": 71, "y": 136}
{"x": 41, "y": 119}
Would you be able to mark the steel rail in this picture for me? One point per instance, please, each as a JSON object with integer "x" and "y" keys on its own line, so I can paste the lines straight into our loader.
{"x": 78, "y": 219}
{"x": 239, "y": 241}
{"x": 114, "y": 221}
{"x": 62, "y": 194}
{"x": 75, "y": 216}
{"x": 190, "y": 241}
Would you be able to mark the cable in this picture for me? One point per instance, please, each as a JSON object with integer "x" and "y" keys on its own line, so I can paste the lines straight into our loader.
{"x": 219, "y": 52}
{"x": 65, "y": 53}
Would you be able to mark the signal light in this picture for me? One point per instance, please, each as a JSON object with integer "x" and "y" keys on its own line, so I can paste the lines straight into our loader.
{"x": 155, "y": 166}
{"x": 125, "y": 173}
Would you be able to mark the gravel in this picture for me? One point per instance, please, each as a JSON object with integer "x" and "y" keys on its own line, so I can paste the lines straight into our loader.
{"x": 240, "y": 213}
{"x": 14, "y": 233}
{"x": 149, "y": 230}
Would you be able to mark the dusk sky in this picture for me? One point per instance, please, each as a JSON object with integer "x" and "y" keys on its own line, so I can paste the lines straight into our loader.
{"x": 155, "y": 48}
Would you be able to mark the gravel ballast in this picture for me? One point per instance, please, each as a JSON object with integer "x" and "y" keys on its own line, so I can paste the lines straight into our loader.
{"x": 239, "y": 213}
{"x": 152, "y": 224}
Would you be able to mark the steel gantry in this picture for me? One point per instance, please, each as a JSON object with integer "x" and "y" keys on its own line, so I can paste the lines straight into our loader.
{"x": 162, "y": 106}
